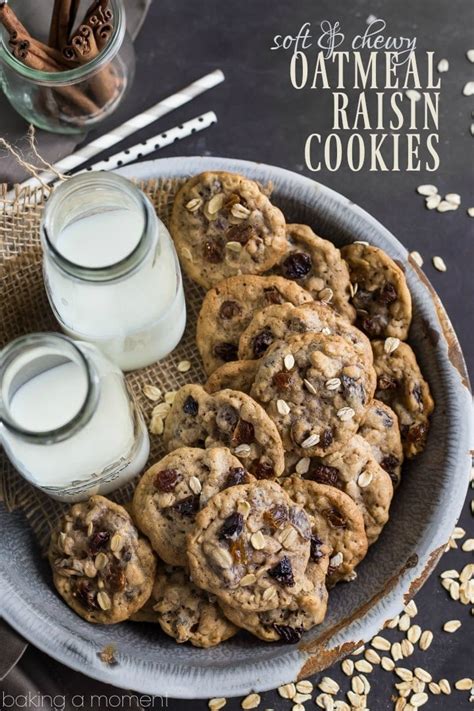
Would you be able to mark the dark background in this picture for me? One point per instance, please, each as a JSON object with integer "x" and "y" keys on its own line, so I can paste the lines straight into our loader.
{"x": 262, "y": 118}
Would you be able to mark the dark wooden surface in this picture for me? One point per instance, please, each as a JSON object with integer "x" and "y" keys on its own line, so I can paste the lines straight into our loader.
{"x": 262, "y": 118}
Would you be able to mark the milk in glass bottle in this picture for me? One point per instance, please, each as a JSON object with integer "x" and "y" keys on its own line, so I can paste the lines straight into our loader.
{"x": 111, "y": 271}
{"x": 68, "y": 422}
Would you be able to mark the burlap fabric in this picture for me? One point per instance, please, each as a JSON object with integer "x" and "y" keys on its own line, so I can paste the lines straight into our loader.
{"x": 24, "y": 308}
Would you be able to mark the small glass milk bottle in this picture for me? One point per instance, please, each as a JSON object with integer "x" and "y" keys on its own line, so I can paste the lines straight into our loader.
{"x": 111, "y": 270}
{"x": 68, "y": 423}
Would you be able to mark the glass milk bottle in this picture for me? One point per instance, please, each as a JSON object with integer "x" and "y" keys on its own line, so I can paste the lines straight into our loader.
{"x": 67, "y": 420}
{"x": 111, "y": 270}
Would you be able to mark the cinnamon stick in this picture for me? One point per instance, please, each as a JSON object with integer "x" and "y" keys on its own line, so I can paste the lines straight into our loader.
{"x": 71, "y": 93}
{"x": 103, "y": 35}
{"x": 37, "y": 46}
{"x": 62, "y": 22}
{"x": 10, "y": 21}
{"x": 85, "y": 47}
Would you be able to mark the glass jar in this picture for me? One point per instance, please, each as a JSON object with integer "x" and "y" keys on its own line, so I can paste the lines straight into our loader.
{"x": 73, "y": 100}
{"x": 111, "y": 270}
{"x": 68, "y": 422}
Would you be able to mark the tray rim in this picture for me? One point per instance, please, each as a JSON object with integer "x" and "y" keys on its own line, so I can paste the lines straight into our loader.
{"x": 299, "y": 661}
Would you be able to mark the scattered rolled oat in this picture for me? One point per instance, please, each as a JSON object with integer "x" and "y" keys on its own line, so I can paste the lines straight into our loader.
{"x": 468, "y": 88}
{"x": 396, "y": 651}
{"x": 287, "y": 691}
{"x": 445, "y": 206}
{"x": 470, "y": 211}
{"x": 417, "y": 258}
{"x": 184, "y": 366}
{"x": 445, "y": 686}
{"x": 161, "y": 410}
{"x": 434, "y": 688}
{"x": 411, "y": 608}
{"x": 452, "y": 625}
{"x": 432, "y": 202}
{"x": 387, "y": 663}
{"x": 170, "y": 396}
{"x": 304, "y": 686}
{"x": 427, "y": 190}
{"x": 357, "y": 685}
{"x": 418, "y": 700}
{"x": 251, "y": 701}
{"x": 325, "y": 701}
{"x": 333, "y": 383}
{"x": 406, "y": 647}
{"x": 372, "y": 656}
{"x": 425, "y": 640}
{"x": 468, "y": 545}
{"x": 381, "y": 643}
{"x": 217, "y": 703}
{"x": 464, "y": 684}
{"x": 413, "y": 94}
{"x": 363, "y": 665}
{"x": 157, "y": 426}
{"x": 404, "y": 623}
{"x": 422, "y": 674}
{"x": 297, "y": 707}
{"x": 152, "y": 392}
{"x": 347, "y": 667}
{"x": 403, "y": 673}
{"x": 414, "y": 634}
{"x": 470, "y": 55}
{"x": 439, "y": 264}
{"x": 443, "y": 66}
{"x": 328, "y": 685}
{"x": 449, "y": 574}
{"x": 391, "y": 624}
{"x": 289, "y": 361}
{"x": 454, "y": 198}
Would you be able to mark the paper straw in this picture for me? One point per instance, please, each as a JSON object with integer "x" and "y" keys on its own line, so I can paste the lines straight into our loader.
{"x": 199, "y": 123}
{"x": 66, "y": 165}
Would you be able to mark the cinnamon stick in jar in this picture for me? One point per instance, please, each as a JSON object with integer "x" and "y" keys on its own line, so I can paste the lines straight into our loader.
{"x": 72, "y": 94}
{"x": 10, "y": 21}
{"x": 103, "y": 84}
{"x": 62, "y": 22}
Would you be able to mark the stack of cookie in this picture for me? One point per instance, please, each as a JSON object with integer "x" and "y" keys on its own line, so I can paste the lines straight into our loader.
{"x": 282, "y": 466}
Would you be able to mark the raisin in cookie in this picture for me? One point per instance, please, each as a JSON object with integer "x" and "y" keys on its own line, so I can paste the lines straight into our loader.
{"x": 222, "y": 225}
{"x": 380, "y": 429}
{"x": 316, "y": 389}
{"x": 237, "y": 375}
{"x": 401, "y": 385}
{"x": 228, "y": 309}
{"x": 353, "y": 469}
{"x": 187, "y": 613}
{"x": 172, "y": 491}
{"x": 287, "y": 624}
{"x": 226, "y": 418}
{"x": 101, "y": 566}
{"x": 316, "y": 264}
{"x": 382, "y": 299}
{"x": 278, "y": 322}
{"x": 335, "y": 519}
{"x": 250, "y": 546}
